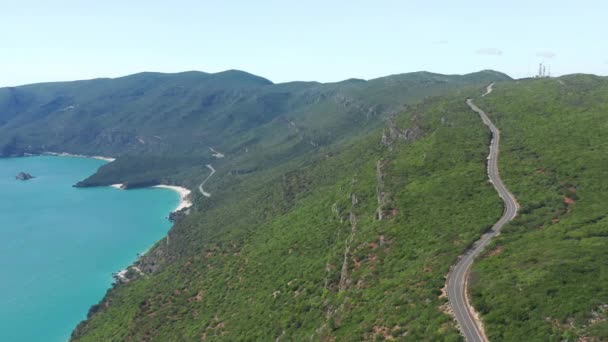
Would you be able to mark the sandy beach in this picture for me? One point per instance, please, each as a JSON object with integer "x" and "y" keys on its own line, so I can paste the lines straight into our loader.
{"x": 184, "y": 195}
{"x": 65, "y": 154}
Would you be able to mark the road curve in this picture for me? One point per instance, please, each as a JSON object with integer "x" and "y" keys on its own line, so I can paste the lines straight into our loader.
{"x": 200, "y": 187}
{"x": 457, "y": 279}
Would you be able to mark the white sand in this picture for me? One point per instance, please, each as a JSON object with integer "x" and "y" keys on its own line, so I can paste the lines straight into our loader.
{"x": 108, "y": 159}
{"x": 65, "y": 154}
{"x": 184, "y": 195}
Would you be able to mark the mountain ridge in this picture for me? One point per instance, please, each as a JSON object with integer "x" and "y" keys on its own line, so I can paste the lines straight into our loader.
{"x": 181, "y": 115}
{"x": 245, "y": 73}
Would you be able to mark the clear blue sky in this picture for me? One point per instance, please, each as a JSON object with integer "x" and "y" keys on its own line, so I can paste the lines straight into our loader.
{"x": 298, "y": 40}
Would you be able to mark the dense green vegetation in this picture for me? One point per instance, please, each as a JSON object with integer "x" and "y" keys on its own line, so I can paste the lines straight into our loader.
{"x": 545, "y": 278}
{"x": 338, "y": 208}
{"x": 297, "y": 251}
{"x": 290, "y": 244}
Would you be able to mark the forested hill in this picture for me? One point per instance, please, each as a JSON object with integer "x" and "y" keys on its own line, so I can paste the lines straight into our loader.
{"x": 337, "y": 209}
{"x": 156, "y": 120}
{"x": 335, "y": 212}
{"x": 545, "y": 277}
{"x": 346, "y": 241}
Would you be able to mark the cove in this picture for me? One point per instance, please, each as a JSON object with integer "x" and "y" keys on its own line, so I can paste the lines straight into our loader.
{"x": 60, "y": 245}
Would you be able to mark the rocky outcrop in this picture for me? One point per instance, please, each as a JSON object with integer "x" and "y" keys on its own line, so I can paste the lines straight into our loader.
{"x": 351, "y": 103}
{"x": 240, "y": 171}
{"x": 391, "y": 133}
{"x": 386, "y": 208}
{"x": 380, "y": 194}
{"x": 177, "y": 215}
{"x": 345, "y": 279}
{"x": 24, "y": 176}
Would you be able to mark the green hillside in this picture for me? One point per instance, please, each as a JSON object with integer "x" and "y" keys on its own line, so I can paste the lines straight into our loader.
{"x": 545, "y": 277}
{"x": 299, "y": 252}
{"x": 335, "y": 213}
{"x": 161, "y": 126}
{"x": 338, "y": 208}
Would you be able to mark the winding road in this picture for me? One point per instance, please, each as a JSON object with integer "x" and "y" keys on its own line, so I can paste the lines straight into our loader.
{"x": 200, "y": 187}
{"x": 457, "y": 280}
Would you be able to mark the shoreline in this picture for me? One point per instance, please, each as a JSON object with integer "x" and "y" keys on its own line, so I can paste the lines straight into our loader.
{"x": 132, "y": 267}
{"x": 184, "y": 194}
{"x": 65, "y": 154}
{"x": 184, "y": 203}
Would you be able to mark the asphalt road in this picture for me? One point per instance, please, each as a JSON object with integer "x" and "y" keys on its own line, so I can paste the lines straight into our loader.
{"x": 200, "y": 187}
{"x": 457, "y": 280}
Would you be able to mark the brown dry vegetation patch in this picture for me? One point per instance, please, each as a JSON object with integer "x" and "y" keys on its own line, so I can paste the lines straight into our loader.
{"x": 496, "y": 251}
{"x": 197, "y": 298}
{"x": 382, "y": 331}
{"x": 373, "y": 258}
{"x": 328, "y": 338}
{"x": 356, "y": 263}
{"x": 444, "y": 289}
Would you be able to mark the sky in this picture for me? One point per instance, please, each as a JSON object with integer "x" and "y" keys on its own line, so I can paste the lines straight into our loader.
{"x": 325, "y": 41}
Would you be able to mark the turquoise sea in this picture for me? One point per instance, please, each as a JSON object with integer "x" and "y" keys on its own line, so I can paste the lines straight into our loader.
{"x": 59, "y": 245}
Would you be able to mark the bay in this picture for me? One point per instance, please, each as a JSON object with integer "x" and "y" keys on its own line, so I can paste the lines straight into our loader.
{"x": 59, "y": 245}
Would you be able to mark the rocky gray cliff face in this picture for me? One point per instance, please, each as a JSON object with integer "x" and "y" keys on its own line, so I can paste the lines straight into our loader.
{"x": 391, "y": 133}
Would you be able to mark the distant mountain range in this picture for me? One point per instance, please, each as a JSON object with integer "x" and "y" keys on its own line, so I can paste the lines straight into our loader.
{"x": 181, "y": 115}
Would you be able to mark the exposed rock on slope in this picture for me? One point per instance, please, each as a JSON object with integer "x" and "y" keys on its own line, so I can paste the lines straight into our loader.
{"x": 391, "y": 134}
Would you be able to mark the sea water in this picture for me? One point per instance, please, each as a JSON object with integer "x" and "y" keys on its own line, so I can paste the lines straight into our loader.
{"x": 59, "y": 245}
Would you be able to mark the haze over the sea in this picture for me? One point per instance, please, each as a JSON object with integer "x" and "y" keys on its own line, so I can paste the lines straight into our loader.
{"x": 60, "y": 244}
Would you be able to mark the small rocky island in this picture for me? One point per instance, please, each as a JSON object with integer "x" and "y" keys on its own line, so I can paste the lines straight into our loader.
{"x": 24, "y": 176}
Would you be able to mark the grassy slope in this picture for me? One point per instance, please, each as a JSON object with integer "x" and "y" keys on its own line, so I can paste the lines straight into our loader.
{"x": 545, "y": 277}
{"x": 274, "y": 254}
